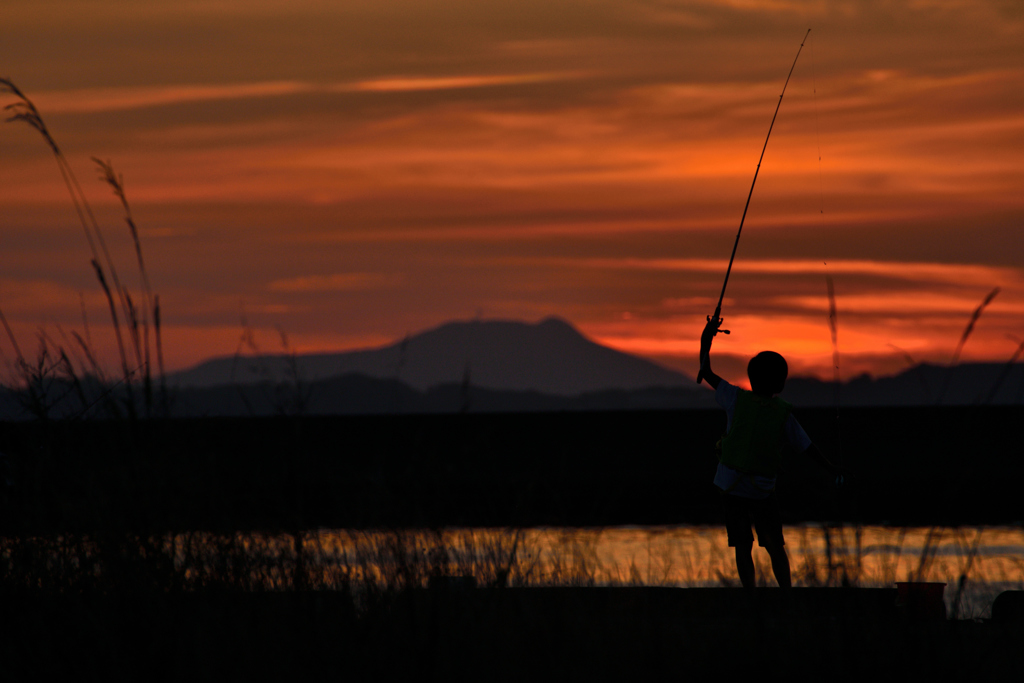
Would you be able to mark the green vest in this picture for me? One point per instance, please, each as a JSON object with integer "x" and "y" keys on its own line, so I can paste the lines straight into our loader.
{"x": 755, "y": 439}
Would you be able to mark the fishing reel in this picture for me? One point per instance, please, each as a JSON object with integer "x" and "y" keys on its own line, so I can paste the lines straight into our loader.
{"x": 719, "y": 331}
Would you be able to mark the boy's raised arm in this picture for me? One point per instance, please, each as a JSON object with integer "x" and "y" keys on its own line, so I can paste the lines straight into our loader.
{"x": 706, "y": 337}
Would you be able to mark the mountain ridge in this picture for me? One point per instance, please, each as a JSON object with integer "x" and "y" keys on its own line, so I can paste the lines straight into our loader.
{"x": 503, "y": 365}
{"x": 969, "y": 386}
{"x": 550, "y": 357}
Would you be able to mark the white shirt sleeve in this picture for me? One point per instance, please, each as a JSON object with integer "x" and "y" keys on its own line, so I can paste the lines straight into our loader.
{"x": 725, "y": 396}
{"x": 795, "y": 435}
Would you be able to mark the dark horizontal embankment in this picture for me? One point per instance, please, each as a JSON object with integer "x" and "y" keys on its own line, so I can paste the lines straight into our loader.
{"x": 496, "y": 634}
{"x": 918, "y": 466}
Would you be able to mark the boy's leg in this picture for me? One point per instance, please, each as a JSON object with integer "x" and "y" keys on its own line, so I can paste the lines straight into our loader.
{"x": 768, "y": 523}
{"x": 745, "y": 564}
{"x": 780, "y": 564}
{"x": 737, "y": 526}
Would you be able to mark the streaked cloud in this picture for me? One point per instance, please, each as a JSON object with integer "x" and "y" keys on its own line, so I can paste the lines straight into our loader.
{"x": 399, "y": 164}
{"x": 45, "y": 297}
{"x": 957, "y": 273}
{"x": 451, "y": 82}
{"x": 337, "y": 282}
{"x": 920, "y": 303}
{"x": 92, "y": 100}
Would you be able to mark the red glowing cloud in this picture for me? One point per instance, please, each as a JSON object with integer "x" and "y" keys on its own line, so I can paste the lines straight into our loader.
{"x": 350, "y": 174}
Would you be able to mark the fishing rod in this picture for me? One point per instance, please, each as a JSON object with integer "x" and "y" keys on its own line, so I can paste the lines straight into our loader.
{"x": 717, "y": 317}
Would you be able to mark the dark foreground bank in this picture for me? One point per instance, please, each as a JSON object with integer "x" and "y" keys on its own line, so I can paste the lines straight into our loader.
{"x": 451, "y": 632}
{"x": 919, "y": 466}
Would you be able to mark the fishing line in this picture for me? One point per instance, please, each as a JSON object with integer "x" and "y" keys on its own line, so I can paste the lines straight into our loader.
{"x": 717, "y": 317}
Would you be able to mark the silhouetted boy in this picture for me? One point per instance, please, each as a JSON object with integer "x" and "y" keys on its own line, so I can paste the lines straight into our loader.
{"x": 759, "y": 425}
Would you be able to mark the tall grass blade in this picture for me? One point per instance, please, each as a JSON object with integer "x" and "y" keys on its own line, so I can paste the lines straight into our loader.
{"x": 113, "y": 312}
{"x": 25, "y": 110}
{"x": 137, "y": 322}
{"x": 85, "y": 318}
{"x": 14, "y": 340}
{"x": 832, "y": 325}
{"x": 964, "y": 337}
{"x": 965, "y": 573}
{"x": 1007, "y": 369}
{"x": 87, "y": 350}
{"x": 913, "y": 363}
{"x": 836, "y": 378}
{"x": 159, "y": 352}
{"x": 928, "y": 551}
{"x": 142, "y": 348}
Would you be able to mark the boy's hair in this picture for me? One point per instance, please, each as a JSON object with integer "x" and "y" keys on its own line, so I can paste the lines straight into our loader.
{"x": 767, "y": 372}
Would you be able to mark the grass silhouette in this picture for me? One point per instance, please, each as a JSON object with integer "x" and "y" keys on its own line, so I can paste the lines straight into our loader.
{"x": 54, "y": 361}
{"x": 963, "y": 339}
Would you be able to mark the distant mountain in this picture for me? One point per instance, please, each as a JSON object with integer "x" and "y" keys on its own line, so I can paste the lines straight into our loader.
{"x": 493, "y": 366}
{"x": 357, "y": 394}
{"x": 921, "y": 385}
{"x": 550, "y": 357}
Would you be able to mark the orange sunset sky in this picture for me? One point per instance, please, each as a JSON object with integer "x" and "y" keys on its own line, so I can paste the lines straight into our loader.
{"x": 352, "y": 171}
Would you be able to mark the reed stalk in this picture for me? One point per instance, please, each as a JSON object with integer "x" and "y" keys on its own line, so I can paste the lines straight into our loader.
{"x": 150, "y": 301}
{"x": 963, "y": 339}
{"x": 25, "y": 110}
{"x": 120, "y": 302}
{"x": 1004, "y": 373}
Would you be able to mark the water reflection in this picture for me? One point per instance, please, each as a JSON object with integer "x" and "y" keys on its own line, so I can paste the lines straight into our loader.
{"x": 975, "y": 563}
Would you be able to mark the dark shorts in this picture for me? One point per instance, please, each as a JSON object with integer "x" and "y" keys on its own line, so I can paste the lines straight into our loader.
{"x": 740, "y": 513}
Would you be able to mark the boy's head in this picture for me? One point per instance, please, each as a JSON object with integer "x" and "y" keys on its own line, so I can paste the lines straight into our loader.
{"x": 767, "y": 372}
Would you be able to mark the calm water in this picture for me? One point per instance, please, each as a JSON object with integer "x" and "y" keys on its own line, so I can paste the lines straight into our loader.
{"x": 991, "y": 558}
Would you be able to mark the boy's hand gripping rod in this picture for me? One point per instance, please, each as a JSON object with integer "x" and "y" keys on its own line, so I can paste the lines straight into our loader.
{"x": 717, "y": 317}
